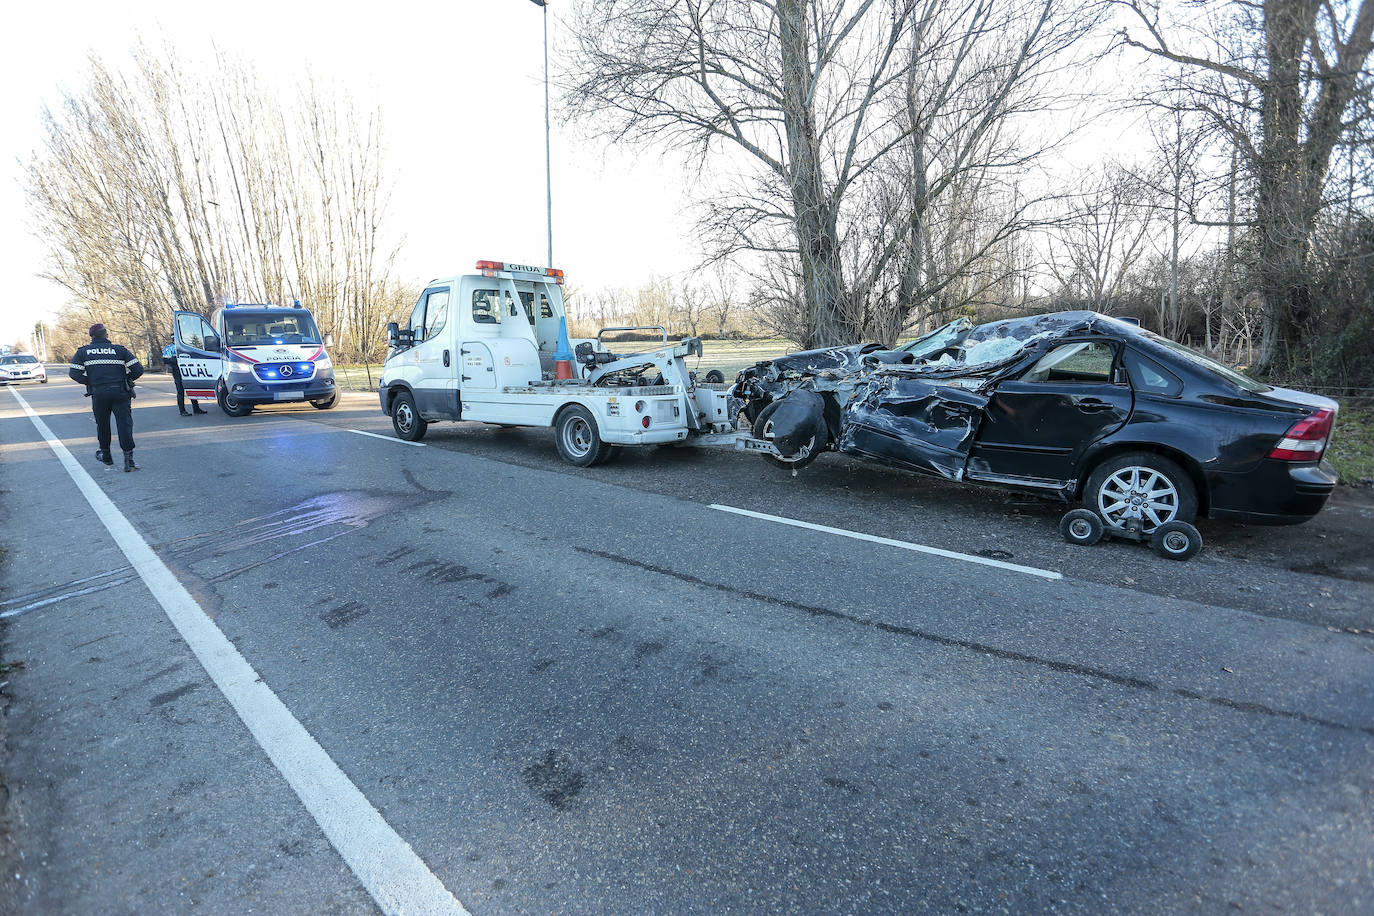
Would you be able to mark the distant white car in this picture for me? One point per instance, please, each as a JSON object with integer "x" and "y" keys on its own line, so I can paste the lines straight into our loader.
{"x": 21, "y": 367}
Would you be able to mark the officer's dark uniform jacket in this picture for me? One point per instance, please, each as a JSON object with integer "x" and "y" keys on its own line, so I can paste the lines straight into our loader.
{"x": 105, "y": 368}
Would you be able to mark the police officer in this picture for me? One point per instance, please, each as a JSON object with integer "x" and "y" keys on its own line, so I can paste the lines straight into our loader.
{"x": 108, "y": 371}
{"x": 169, "y": 358}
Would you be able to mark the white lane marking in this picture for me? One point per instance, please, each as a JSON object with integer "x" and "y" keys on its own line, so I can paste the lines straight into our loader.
{"x": 386, "y": 865}
{"x": 387, "y": 438}
{"x": 890, "y": 542}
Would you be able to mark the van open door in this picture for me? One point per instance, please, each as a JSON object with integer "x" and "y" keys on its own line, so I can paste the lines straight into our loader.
{"x": 198, "y": 354}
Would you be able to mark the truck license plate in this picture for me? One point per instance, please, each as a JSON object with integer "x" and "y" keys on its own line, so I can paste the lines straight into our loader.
{"x": 289, "y": 395}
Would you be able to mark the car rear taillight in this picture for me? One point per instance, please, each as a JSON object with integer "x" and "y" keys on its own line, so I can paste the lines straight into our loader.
{"x": 1306, "y": 441}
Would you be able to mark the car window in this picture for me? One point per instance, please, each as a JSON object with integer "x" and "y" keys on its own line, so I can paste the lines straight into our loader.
{"x": 1244, "y": 382}
{"x": 486, "y": 306}
{"x": 545, "y": 310}
{"x": 1148, "y": 375}
{"x": 416, "y": 324}
{"x": 527, "y": 302}
{"x": 260, "y": 330}
{"x": 12, "y": 360}
{"x": 436, "y": 312}
{"x": 190, "y": 331}
{"x": 1081, "y": 361}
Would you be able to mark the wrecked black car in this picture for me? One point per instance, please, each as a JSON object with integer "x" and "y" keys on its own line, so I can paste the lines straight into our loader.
{"x": 1074, "y": 404}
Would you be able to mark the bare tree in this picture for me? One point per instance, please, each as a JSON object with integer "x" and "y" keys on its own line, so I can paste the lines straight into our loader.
{"x": 818, "y": 101}
{"x": 1102, "y": 236}
{"x": 159, "y": 190}
{"x": 1306, "y": 64}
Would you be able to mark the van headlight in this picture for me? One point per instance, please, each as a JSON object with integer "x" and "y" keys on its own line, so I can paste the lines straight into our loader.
{"x": 240, "y": 368}
{"x": 324, "y": 363}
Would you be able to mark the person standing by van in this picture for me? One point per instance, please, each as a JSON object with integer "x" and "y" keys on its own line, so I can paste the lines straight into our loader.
{"x": 169, "y": 358}
{"x": 108, "y": 371}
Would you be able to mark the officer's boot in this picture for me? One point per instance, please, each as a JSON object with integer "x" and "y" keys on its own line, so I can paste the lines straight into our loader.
{"x": 196, "y": 408}
{"x": 129, "y": 462}
{"x": 184, "y": 411}
{"x": 103, "y": 456}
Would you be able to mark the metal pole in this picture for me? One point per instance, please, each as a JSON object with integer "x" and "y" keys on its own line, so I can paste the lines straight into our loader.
{"x": 548, "y": 165}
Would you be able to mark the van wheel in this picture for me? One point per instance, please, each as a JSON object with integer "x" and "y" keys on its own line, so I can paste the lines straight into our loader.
{"x": 326, "y": 403}
{"x": 1142, "y": 489}
{"x": 579, "y": 441}
{"x": 230, "y": 406}
{"x": 406, "y": 420}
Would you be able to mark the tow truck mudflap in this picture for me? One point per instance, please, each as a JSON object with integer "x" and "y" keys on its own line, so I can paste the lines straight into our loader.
{"x": 740, "y": 442}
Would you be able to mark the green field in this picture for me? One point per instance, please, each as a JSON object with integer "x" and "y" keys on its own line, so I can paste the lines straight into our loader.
{"x": 1352, "y": 442}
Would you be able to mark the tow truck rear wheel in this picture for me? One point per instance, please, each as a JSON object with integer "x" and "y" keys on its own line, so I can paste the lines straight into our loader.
{"x": 230, "y": 406}
{"x": 578, "y": 439}
{"x": 406, "y": 420}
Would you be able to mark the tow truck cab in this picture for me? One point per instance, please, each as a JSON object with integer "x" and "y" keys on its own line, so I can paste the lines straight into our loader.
{"x": 249, "y": 355}
{"x": 482, "y": 347}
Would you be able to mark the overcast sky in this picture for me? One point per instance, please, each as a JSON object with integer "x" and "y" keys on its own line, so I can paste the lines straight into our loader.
{"x": 460, "y": 88}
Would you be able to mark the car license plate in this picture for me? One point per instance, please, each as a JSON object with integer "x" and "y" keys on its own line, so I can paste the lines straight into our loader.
{"x": 289, "y": 395}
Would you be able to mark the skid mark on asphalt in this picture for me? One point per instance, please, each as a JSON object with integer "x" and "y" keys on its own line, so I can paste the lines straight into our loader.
{"x": 1088, "y": 671}
{"x": 56, "y": 599}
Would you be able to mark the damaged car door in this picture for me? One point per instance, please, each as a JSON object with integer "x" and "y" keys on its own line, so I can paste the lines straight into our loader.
{"x": 1038, "y": 425}
{"x": 900, "y": 419}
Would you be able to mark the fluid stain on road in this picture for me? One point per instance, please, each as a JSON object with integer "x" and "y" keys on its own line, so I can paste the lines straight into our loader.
{"x": 554, "y": 779}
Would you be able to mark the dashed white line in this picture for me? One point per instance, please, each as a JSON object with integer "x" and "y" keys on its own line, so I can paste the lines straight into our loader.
{"x": 891, "y": 542}
{"x": 362, "y": 432}
{"x": 390, "y": 870}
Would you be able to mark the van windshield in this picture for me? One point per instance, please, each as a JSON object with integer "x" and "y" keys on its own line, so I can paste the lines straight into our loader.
{"x": 259, "y": 329}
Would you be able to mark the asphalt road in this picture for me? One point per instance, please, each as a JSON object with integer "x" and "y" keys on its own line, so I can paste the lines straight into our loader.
{"x": 594, "y": 691}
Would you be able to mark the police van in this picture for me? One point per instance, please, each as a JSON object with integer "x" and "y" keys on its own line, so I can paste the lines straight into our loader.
{"x": 492, "y": 346}
{"x": 247, "y": 356}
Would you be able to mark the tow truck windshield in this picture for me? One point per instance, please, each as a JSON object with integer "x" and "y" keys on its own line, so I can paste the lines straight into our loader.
{"x": 262, "y": 330}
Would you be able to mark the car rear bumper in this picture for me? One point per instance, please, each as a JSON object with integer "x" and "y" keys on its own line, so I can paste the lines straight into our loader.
{"x": 1275, "y": 493}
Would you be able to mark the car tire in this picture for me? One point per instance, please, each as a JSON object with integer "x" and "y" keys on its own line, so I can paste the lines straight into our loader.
{"x": 42, "y": 381}
{"x": 578, "y": 439}
{"x": 229, "y": 405}
{"x": 714, "y": 377}
{"x": 1082, "y": 527}
{"x": 1140, "y": 486}
{"x": 606, "y": 454}
{"x": 326, "y": 403}
{"x": 1176, "y": 541}
{"x": 406, "y": 419}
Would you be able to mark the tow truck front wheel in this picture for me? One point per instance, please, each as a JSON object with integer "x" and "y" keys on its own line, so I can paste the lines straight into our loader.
{"x": 230, "y": 406}
{"x": 406, "y": 420}
{"x": 579, "y": 441}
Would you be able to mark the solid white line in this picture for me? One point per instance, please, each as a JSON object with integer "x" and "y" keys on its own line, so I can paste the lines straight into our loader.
{"x": 890, "y": 542}
{"x": 386, "y": 865}
{"x": 387, "y": 438}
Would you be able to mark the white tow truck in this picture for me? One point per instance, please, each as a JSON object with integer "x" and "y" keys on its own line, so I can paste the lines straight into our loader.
{"x": 485, "y": 347}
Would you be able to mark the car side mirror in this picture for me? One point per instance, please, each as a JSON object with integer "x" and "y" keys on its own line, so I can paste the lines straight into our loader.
{"x": 393, "y": 333}
{"x": 329, "y": 340}
{"x": 212, "y": 344}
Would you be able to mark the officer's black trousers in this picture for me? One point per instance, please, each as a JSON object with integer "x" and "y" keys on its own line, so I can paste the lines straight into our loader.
{"x": 105, "y": 405}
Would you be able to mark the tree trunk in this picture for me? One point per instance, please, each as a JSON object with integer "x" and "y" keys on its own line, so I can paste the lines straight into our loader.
{"x": 817, "y": 242}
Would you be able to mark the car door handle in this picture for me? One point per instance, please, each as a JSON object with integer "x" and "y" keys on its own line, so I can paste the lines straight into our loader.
{"x": 1092, "y": 405}
{"x": 445, "y": 358}
{"x": 467, "y": 378}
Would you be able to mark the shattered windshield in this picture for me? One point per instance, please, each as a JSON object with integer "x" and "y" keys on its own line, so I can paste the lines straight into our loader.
{"x": 938, "y": 339}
